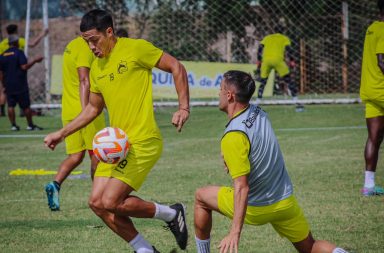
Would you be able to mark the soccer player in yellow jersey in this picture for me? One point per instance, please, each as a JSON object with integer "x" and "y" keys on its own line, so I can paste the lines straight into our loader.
{"x": 12, "y": 29}
{"x": 372, "y": 94}
{"x": 262, "y": 191}
{"x": 272, "y": 52}
{"x": 77, "y": 60}
{"x": 121, "y": 80}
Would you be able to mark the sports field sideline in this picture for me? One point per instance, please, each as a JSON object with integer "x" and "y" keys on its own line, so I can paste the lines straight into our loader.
{"x": 323, "y": 148}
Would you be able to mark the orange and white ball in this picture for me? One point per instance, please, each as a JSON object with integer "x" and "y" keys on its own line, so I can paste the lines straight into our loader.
{"x": 111, "y": 145}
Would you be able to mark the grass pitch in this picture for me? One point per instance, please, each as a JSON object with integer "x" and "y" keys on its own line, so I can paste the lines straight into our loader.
{"x": 323, "y": 149}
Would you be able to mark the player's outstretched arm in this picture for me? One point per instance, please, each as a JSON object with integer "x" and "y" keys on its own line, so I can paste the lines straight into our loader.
{"x": 230, "y": 243}
{"x": 36, "y": 40}
{"x": 29, "y": 64}
{"x": 90, "y": 112}
{"x": 170, "y": 64}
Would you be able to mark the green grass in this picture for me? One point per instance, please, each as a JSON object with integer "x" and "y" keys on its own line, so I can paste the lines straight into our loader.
{"x": 324, "y": 159}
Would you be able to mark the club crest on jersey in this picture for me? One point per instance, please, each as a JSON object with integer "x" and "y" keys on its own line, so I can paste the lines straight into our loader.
{"x": 252, "y": 117}
{"x": 111, "y": 77}
{"x": 122, "y": 67}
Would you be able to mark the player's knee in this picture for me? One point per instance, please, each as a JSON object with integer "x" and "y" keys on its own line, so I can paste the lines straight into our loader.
{"x": 96, "y": 206}
{"x": 199, "y": 195}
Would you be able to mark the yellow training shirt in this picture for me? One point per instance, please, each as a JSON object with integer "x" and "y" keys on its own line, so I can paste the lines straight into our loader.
{"x": 235, "y": 148}
{"x": 4, "y": 46}
{"x": 274, "y": 46}
{"x": 124, "y": 78}
{"x": 76, "y": 54}
{"x": 372, "y": 79}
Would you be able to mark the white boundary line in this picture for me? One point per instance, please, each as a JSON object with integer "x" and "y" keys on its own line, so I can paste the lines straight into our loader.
{"x": 278, "y": 129}
{"x": 22, "y": 136}
{"x": 319, "y": 128}
{"x": 215, "y": 102}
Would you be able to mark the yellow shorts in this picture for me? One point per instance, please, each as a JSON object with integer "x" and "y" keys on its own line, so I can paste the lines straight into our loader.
{"x": 285, "y": 216}
{"x": 134, "y": 169}
{"x": 373, "y": 108}
{"x": 82, "y": 139}
{"x": 268, "y": 64}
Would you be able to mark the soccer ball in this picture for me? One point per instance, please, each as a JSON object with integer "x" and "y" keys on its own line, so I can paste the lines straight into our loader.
{"x": 110, "y": 145}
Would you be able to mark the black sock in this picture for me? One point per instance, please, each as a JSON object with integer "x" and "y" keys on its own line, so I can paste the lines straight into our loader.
{"x": 2, "y": 108}
{"x": 57, "y": 184}
{"x": 263, "y": 82}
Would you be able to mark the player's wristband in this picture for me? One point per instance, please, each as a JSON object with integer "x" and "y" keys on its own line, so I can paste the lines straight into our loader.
{"x": 185, "y": 109}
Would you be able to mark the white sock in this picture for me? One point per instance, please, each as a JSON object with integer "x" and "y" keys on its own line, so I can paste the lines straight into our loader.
{"x": 203, "y": 246}
{"x": 339, "y": 250}
{"x": 140, "y": 245}
{"x": 295, "y": 99}
{"x": 369, "y": 179}
{"x": 164, "y": 213}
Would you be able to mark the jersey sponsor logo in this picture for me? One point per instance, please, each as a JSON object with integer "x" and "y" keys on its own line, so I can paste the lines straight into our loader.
{"x": 9, "y": 54}
{"x": 122, "y": 67}
{"x": 66, "y": 50}
{"x": 251, "y": 119}
{"x": 101, "y": 77}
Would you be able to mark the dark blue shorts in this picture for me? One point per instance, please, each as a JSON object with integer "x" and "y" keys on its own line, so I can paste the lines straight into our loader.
{"x": 21, "y": 98}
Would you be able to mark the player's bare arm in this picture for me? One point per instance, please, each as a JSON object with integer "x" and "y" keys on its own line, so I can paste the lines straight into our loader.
{"x": 31, "y": 63}
{"x": 170, "y": 64}
{"x": 83, "y": 73}
{"x": 90, "y": 112}
{"x": 230, "y": 243}
{"x": 36, "y": 40}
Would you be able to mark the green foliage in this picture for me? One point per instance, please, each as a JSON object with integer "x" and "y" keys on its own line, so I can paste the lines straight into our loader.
{"x": 323, "y": 149}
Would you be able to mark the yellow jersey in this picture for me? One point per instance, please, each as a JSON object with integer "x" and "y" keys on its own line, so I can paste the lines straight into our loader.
{"x": 372, "y": 78}
{"x": 76, "y": 54}
{"x": 274, "y": 46}
{"x": 124, "y": 79}
{"x": 235, "y": 148}
{"x": 4, "y": 46}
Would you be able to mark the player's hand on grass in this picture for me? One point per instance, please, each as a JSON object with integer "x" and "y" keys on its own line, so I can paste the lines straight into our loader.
{"x": 230, "y": 243}
{"x": 52, "y": 139}
{"x": 179, "y": 118}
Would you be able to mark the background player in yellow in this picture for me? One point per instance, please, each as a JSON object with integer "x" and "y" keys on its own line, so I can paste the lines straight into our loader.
{"x": 262, "y": 191}
{"x": 12, "y": 29}
{"x": 272, "y": 53}
{"x": 77, "y": 60}
{"x": 121, "y": 80}
{"x": 372, "y": 94}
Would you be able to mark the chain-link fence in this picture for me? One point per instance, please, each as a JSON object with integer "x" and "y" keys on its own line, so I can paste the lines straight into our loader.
{"x": 327, "y": 35}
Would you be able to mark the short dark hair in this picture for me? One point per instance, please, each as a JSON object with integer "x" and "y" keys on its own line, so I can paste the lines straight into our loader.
{"x": 11, "y": 29}
{"x": 96, "y": 19}
{"x": 380, "y": 5}
{"x": 122, "y": 33}
{"x": 278, "y": 29}
{"x": 243, "y": 83}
